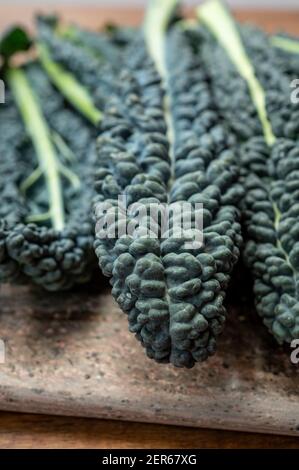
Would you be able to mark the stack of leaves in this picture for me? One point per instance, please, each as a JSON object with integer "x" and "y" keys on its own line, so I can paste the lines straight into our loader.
{"x": 175, "y": 112}
{"x": 49, "y": 125}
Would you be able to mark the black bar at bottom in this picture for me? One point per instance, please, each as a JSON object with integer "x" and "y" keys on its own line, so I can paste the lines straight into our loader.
{"x": 139, "y": 458}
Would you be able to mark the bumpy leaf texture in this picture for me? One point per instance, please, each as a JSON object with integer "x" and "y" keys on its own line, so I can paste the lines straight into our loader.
{"x": 93, "y": 58}
{"x": 163, "y": 141}
{"x": 269, "y": 172}
{"x": 54, "y": 259}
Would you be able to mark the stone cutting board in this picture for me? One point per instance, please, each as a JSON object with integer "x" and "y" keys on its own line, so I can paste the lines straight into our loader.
{"x": 72, "y": 354}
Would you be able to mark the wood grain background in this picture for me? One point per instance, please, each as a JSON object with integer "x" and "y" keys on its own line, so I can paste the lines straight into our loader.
{"x": 32, "y": 431}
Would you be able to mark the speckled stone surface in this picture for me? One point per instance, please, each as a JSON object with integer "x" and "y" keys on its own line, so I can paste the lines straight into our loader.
{"x": 72, "y": 354}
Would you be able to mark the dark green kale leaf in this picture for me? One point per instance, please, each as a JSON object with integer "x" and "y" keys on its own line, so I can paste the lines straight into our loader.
{"x": 47, "y": 166}
{"x": 162, "y": 141}
{"x": 269, "y": 162}
{"x": 46, "y": 227}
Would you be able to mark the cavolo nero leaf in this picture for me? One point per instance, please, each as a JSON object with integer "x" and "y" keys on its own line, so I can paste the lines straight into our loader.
{"x": 269, "y": 166}
{"x": 46, "y": 229}
{"x": 162, "y": 142}
{"x": 30, "y": 247}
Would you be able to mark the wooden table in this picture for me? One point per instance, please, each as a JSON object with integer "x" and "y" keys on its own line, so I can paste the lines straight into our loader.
{"x": 30, "y": 431}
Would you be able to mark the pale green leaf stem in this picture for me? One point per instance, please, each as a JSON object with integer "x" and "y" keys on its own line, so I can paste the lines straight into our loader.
{"x": 40, "y": 135}
{"x": 67, "y": 84}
